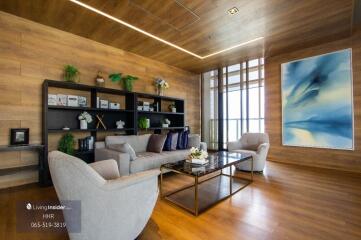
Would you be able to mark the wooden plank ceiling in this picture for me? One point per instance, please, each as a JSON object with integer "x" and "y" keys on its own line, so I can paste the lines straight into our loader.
{"x": 200, "y": 26}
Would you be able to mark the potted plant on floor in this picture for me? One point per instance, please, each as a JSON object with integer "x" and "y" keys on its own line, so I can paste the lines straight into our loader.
{"x": 66, "y": 144}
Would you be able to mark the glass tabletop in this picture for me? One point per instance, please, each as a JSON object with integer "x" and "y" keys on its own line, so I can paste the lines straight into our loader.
{"x": 217, "y": 161}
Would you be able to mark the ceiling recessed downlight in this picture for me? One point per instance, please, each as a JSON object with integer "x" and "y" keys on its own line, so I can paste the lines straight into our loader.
{"x": 232, "y": 11}
{"x": 158, "y": 38}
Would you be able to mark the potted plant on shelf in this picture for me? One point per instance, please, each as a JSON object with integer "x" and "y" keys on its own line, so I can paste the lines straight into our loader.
{"x": 85, "y": 118}
{"x": 66, "y": 144}
{"x": 160, "y": 85}
{"x": 165, "y": 123}
{"x": 115, "y": 77}
{"x": 128, "y": 82}
{"x": 99, "y": 80}
{"x": 71, "y": 73}
{"x": 143, "y": 123}
{"x": 172, "y": 108}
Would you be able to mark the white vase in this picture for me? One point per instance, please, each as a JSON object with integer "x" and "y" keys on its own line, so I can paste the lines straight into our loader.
{"x": 174, "y": 110}
{"x": 164, "y": 125}
{"x": 83, "y": 124}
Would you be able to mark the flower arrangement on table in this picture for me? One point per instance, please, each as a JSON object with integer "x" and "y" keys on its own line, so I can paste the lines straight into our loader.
{"x": 161, "y": 84}
{"x": 85, "y": 118}
{"x": 197, "y": 156}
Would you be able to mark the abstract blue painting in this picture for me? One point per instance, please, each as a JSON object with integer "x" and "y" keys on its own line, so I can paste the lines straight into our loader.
{"x": 317, "y": 104}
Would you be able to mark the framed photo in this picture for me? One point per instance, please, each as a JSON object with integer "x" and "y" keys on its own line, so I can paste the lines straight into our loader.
{"x": 19, "y": 136}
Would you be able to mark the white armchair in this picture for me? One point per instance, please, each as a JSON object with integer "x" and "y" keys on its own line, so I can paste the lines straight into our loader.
{"x": 256, "y": 144}
{"x": 112, "y": 207}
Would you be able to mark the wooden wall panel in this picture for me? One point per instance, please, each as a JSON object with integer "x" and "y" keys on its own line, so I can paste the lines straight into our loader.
{"x": 327, "y": 158}
{"x": 30, "y": 53}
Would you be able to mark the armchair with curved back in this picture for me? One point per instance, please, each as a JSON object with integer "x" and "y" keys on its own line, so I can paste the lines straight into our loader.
{"x": 112, "y": 207}
{"x": 256, "y": 144}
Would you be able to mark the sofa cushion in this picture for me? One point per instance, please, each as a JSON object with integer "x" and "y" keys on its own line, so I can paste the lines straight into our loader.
{"x": 138, "y": 142}
{"x": 150, "y": 160}
{"x": 124, "y": 148}
{"x": 156, "y": 143}
{"x": 145, "y": 161}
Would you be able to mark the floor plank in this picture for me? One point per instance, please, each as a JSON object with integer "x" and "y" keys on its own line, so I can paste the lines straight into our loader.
{"x": 286, "y": 202}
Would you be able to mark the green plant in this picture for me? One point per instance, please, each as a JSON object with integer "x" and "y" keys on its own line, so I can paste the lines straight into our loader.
{"x": 66, "y": 144}
{"x": 128, "y": 82}
{"x": 71, "y": 73}
{"x": 115, "y": 77}
{"x": 142, "y": 123}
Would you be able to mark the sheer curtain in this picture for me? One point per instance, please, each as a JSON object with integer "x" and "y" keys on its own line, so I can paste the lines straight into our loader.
{"x": 243, "y": 102}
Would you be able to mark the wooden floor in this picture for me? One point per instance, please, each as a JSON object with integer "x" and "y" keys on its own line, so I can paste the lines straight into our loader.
{"x": 286, "y": 202}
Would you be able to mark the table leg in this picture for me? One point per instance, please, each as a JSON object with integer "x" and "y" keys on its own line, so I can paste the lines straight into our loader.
{"x": 230, "y": 180}
{"x": 196, "y": 196}
{"x": 161, "y": 183}
{"x": 252, "y": 169}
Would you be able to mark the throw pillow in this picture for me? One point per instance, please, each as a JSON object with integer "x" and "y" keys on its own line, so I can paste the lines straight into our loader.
{"x": 156, "y": 143}
{"x": 124, "y": 148}
{"x": 182, "y": 140}
{"x": 168, "y": 142}
{"x": 194, "y": 140}
{"x": 174, "y": 141}
{"x": 171, "y": 141}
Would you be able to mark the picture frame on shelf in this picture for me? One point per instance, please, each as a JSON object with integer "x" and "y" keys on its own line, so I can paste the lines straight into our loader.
{"x": 19, "y": 136}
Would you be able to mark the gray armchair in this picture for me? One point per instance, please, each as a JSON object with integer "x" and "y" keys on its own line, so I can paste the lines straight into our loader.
{"x": 112, "y": 207}
{"x": 256, "y": 144}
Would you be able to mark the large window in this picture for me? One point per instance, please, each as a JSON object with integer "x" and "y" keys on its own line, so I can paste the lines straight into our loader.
{"x": 241, "y": 90}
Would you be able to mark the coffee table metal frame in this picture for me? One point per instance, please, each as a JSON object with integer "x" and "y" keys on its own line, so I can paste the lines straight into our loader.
{"x": 196, "y": 184}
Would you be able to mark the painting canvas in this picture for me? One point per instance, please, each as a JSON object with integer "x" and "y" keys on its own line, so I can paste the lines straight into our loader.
{"x": 317, "y": 104}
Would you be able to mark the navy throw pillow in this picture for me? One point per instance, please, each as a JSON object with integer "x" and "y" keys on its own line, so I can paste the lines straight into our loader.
{"x": 182, "y": 140}
{"x": 168, "y": 142}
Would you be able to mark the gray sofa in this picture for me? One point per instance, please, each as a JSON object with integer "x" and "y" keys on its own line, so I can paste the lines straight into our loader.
{"x": 144, "y": 160}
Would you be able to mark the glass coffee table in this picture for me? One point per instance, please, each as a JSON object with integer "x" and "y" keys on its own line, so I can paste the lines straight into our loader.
{"x": 211, "y": 184}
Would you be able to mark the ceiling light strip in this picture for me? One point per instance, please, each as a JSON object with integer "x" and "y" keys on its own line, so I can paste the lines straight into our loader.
{"x": 158, "y": 38}
{"x": 235, "y": 46}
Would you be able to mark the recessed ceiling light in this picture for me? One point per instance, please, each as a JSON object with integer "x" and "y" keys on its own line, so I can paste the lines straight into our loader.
{"x": 232, "y": 11}
{"x": 158, "y": 38}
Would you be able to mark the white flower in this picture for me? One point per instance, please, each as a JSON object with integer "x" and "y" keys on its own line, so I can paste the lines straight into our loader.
{"x": 85, "y": 116}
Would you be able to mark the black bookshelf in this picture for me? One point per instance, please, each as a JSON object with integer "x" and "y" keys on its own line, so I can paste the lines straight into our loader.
{"x": 57, "y": 117}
